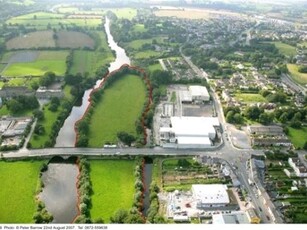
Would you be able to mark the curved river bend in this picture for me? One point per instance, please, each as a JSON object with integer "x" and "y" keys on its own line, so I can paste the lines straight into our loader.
{"x": 67, "y": 135}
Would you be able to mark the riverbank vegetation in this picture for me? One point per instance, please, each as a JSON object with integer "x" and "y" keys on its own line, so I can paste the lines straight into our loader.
{"x": 19, "y": 181}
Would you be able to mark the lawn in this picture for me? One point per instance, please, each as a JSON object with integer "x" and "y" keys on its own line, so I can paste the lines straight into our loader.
{"x": 285, "y": 48}
{"x": 300, "y": 78}
{"x": 17, "y": 194}
{"x": 121, "y": 105}
{"x": 298, "y": 137}
{"x": 113, "y": 187}
{"x": 249, "y": 97}
{"x": 54, "y": 61}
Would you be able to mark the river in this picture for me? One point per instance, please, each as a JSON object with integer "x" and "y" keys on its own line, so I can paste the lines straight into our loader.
{"x": 67, "y": 135}
{"x": 60, "y": 193}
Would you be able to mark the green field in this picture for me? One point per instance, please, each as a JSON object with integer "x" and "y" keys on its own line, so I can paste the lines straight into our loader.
{"x": 285, "y": 48}
{"x": 113, "y": 187}
{"x": 154, "y": 67}
{"x": 146, "y": 54}
{"x": 137, "y": 44}
{"x": 139, "y": 28}
{"x": 119, "y": 108}
{"x": 54, "y": 61}
{"x": 250, "y": 98}
{"x": 43, "y": 19}
{"x": 127, "y": 13}
{"x": 17, "y": 194}
{"x": 300, "y": 78}
{"x": 298, "y": 137}
{"x": 90, "y": 61}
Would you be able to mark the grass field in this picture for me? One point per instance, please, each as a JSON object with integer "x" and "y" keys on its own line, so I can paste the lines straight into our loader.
{"x": 249, "y": 98}
{"x": 298, "y": 137}
{"x": 137, "y": 44}
{"x": 300, "y": 78}
{"x": 17, "y": 194}
{"x": 146, "y": 54}
{"x": 113, "y": 187}
{"x": 43, "y": 19}
{"x": 154, "y": 67}
{"x": 54, "y": 61}
{"x": 285, "y": 48}
{"x": 45, "y": 39}
{"x": 119, "y": 108}
{"x": 127, "y": 13}
{"x": 90, "y": 61}
{"x": 139, "y": 28}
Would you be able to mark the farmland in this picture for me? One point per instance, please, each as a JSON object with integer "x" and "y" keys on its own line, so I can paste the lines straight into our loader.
{"x": 300, "y": 78}
{"x": 122, "y": 103}
{"x": 90, "y": 61}
{"x": 46, "y": 39}
{"x": 146, "y": 54}
{"x": 137, "y": 44}
{"x": 113, "y": 187}
{"x": 40, "y": 20}
{"x": 45, "y": 61}
{"x": 17, "y": 200}
{"x": 127, "y": 13}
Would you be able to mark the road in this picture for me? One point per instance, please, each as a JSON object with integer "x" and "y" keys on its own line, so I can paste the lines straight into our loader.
{"x": 296, "y": 87}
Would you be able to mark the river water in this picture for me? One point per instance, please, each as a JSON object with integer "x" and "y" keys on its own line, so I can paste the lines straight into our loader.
{"x": 67, "y": 135}
{"x": 60, "y": 193}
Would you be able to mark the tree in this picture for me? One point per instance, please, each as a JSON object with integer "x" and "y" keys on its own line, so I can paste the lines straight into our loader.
{"x": 284, "y": 117}
{"x": 83, "y": 127}
{"x": 126, "y": 138}
{"x": 38, "y": 114}
{"x": 47, "y": 79}
{"x": 265, "y": 118}
{"x": 119, "y": 217}
{"x": 159, "y": 77}
{"x": 305, "y": 146}
{"x": 253, "y": 112}
{"x": 14, "y": 106}
{"x": 183, "y": 163}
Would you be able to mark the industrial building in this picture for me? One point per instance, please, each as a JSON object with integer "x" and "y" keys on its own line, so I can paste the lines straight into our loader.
{"x": 189, "y": 132}
{"x": 230, "y": 218}
{"x": 199, "y": 94}
{"x": 210, "y": 195}
{"x": 195, "y": 94}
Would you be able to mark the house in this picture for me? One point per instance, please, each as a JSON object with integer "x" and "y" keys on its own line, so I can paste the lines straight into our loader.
{"x": 14, "y": 91}
{"x": 265, "y": 130}
{"x": 45, "y": 93}
{"x": 298, "y": 167}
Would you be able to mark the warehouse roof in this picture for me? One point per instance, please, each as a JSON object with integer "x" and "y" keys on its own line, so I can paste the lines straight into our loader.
{"x": 211, "y": 193}
{"x": 194, "y": 140}
{"x": 194, "y": 126}
{"x": 197, "y": 90}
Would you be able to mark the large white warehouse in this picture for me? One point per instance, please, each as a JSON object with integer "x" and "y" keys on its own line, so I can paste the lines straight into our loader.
{"x": 199, "y": 93}
{"x": 189, "y": 132}
{"x": 210, "y": 195}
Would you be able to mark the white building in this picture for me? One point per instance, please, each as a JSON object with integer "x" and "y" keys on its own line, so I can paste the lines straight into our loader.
{"x": 199, "y": 93}
{"x": 298, "y": 167}
{"x": 190, "y": 132}
{"x": 210, "y": 195}
{"x": 230, "y": 218}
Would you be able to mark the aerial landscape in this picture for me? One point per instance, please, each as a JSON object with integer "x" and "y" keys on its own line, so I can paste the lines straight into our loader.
{"x": 153, "y": 112}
